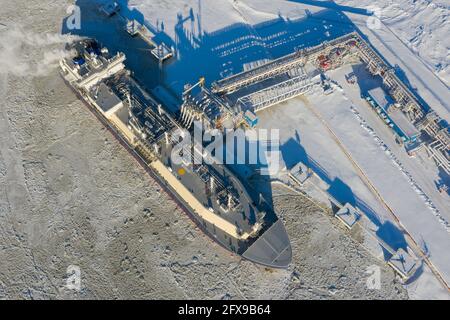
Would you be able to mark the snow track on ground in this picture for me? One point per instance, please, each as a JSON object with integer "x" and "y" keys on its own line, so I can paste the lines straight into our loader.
{"x": 401, "y": 168}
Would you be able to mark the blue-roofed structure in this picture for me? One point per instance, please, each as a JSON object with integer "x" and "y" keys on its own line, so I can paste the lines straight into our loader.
{"x": 394, "y": 117}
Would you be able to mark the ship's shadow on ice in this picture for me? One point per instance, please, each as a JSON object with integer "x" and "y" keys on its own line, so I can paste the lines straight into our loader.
{"x": 213, "y": 55}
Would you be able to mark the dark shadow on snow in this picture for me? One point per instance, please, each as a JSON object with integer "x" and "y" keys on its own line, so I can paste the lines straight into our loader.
{"x": 211, "y": 55}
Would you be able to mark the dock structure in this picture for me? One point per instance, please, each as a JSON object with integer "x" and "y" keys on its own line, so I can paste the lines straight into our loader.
{"x": 348, "y": 215}
{"x": 133, "y": 27}
{"x": 403, "y": 263}
{"x": 276, "y": 67}
{"x": 409, "y": 117}
{"x": 258, "y": 74}
{"x": 275, "y": 94}
{"x": 403, "y": 260}
{"x": 110, "y": 8}
{"x": 288, "y": 74}
{"x": 300, "y": 173}
{"x": 147, "y": 35}
{"x": 160, "y": 51}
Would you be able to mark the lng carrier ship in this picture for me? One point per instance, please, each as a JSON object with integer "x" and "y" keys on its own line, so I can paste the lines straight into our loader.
{"x": 211, "y": 193}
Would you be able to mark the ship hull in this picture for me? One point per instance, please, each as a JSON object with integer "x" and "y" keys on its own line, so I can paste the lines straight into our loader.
{"x": 272, "y": 249}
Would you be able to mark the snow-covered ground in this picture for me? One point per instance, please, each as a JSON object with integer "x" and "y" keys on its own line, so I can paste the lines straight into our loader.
{"x": 420, "y": 24}
{"x": 217, "y": 43}
{"x": 421, "y": 172}
{"x": 304, "y": 137}
{"x": 393, "y": 185}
